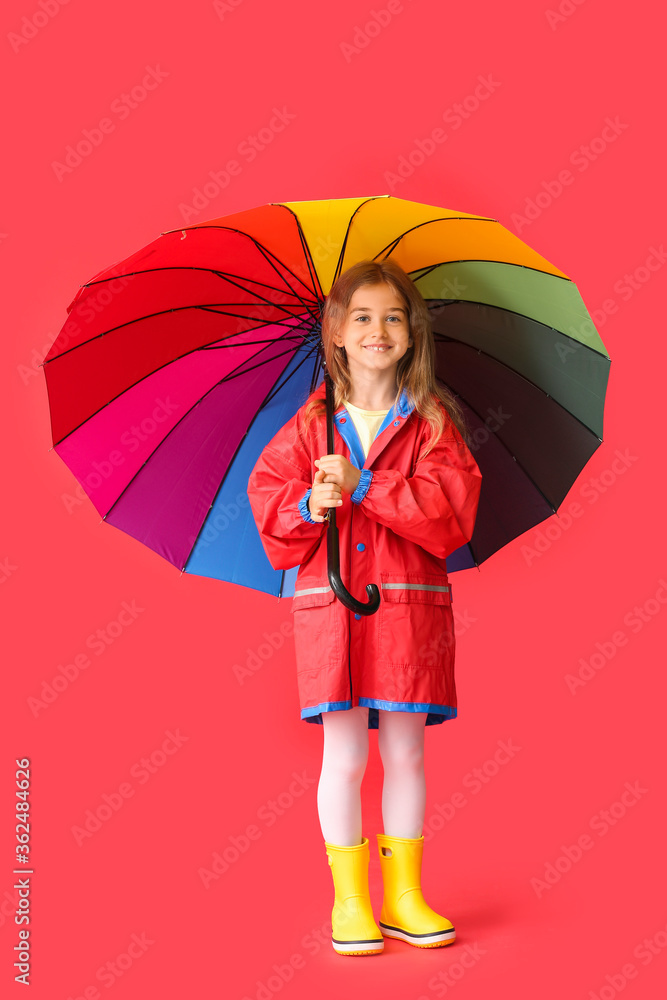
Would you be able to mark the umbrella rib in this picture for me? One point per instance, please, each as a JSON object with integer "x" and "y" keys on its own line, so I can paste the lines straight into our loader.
{"x": 487, "y": 260}
{"x": 513, "y": 312}
{"x": 392, "y": 246}
{"x": 264, "y": 402}
{"x": 233, "y": 279}
{"x": 230, "y": 229}
{"x": 181, "y": 418}
{"x": 507, "y": 263}
{"x": 183, "y": 267}
{"x": 497, "y": 436}
{"x": 341, "y": 255}
{"x": 207, "y": 308}
{"x": 395, "y": 242}
{"x": 302, "y": 302}
{"x": 443, "y": 338}
{"x": 260, "y": 246}
{"x": 282, "y": 337}
{"x": 508, "y": 450}
{"x": 278, "y": 387}
{"x": 270, "y": 258}
{"x": 163, "y": 312}
{"x": 304, "y": 245}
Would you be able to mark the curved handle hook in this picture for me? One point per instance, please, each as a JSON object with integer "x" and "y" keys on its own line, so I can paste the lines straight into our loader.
{"x": 333, "y": 548}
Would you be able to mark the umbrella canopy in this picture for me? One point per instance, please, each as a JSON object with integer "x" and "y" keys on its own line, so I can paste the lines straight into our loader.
{"x": 177, "y": 365}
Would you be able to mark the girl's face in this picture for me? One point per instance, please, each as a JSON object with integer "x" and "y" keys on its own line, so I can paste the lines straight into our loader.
{"x": 375, "y": 333}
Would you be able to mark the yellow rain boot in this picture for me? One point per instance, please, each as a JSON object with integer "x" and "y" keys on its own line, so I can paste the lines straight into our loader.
{"x": 405, "y": 913}
{"x": 354, "y": 931}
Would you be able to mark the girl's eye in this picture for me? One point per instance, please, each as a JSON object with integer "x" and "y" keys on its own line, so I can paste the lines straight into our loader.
{"x": 397, "y": 318}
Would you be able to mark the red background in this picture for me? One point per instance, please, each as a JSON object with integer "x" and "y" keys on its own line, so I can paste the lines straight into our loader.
{"x": 525, "y": 618}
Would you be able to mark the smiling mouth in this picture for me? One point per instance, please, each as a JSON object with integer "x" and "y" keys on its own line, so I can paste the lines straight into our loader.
{"x": 374, "y": 347}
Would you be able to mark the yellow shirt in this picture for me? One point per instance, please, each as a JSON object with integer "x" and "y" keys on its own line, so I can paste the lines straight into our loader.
{"x": 367, "y": 423}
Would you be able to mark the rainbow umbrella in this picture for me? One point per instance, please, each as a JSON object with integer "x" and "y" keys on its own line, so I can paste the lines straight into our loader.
{"x": 177, "y": 365}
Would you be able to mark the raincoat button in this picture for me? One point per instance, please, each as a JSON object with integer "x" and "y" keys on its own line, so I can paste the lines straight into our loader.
{"x": 360, "y": 546}
{"x": 357, "y": 616}
{"x": 342, "y": 420}
{"x": 396, "y": 423}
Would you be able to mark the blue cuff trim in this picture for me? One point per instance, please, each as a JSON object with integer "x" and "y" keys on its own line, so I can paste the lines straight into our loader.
{"x": 303, "y": 507}
{"x": 362, "y": 489}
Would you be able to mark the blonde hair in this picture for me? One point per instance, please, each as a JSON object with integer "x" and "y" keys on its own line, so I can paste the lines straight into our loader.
{"x": 415, "y": 371}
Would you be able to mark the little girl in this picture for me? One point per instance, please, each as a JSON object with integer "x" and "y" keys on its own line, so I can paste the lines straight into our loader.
{"x": 406, "y": 490}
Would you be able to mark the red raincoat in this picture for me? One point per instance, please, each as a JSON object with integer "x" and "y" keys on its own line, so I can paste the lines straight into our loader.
{"x": 405, "y": 517}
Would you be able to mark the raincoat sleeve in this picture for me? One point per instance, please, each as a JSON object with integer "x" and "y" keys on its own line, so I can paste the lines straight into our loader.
{"x": 436, "y": 507}
{"x": 277, "y": 489}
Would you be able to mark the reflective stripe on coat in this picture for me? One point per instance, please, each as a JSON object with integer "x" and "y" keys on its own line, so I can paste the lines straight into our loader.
{"x": 414, "y": 512}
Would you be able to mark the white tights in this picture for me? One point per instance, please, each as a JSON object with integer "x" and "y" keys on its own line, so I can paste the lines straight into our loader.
{"x": 344, "y": 758}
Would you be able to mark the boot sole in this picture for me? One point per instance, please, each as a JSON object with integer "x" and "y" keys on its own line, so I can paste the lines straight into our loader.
{"x": 358, "y": 947}
{"x": 438, "y": 940}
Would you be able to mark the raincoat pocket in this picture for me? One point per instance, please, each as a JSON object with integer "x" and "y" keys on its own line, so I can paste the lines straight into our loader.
{"x": 316, "y": 596}
{"x": 318, "y": 630}
{"x": 416, "y": 625}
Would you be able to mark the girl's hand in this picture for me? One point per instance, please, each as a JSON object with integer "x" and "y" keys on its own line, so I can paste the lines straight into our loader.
{"x": 339, "y": 470}
{"x": 323, "y": 496}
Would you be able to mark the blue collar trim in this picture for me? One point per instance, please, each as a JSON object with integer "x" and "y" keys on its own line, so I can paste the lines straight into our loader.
{"x": 348, "y": 431}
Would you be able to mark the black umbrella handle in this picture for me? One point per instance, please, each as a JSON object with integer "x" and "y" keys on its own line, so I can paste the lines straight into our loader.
{"x": 333, "y": 550}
